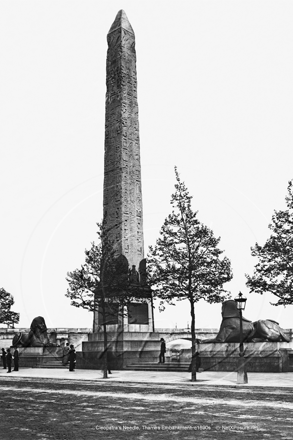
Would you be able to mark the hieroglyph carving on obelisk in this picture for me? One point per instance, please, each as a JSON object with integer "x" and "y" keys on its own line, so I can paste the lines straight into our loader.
{"x": 122, "y": 180}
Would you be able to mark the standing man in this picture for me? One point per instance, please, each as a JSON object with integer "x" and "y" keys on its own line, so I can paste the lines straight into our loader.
{"x": 3, "y": 355}
{"x": 9, "y": 360}
{"x": 72, "y": 358}
{"x": 16, "y": 359}
{"x": 162, "y": 352}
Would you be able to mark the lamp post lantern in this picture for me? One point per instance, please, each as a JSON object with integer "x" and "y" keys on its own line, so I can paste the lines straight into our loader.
{"x": 241, "y": 371}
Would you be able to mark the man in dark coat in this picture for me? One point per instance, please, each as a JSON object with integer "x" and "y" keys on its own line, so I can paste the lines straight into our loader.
{"x": 9, "y": 360}
{"x": 109, "y": 359}
{"x": 72, "y": 358}
{"x": 3, "y": 355}
{"x": 16, "y": 359}
{"x": 162, "y": 352}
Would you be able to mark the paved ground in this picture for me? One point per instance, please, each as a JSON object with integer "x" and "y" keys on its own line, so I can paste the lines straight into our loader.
{"x": 204, "y": 378}
{"x": 59, "y": 405}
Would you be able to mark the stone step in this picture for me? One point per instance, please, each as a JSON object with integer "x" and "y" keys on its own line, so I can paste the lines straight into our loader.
{"x": 50, "y": 365}
{"x": 48, "y": 356}
{"x": 152, "y": 366}
{"x": 41, "y": 362}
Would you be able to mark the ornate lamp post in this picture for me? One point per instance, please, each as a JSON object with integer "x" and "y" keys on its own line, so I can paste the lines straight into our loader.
{"x": 241, "y": 371}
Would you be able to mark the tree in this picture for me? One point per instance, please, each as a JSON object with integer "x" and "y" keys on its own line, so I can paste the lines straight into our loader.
{"x": 274, "y": 271}
{"x": 84, "y": 286}
{"x": 102, "y": 284}
{"x": 186, "y": 262}
{"x": 84, "y": 282}
{"x": 6, "y": 315}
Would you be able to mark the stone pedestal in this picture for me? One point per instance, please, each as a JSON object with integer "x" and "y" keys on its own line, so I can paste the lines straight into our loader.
{"x": 141, "y": 323}
{"x": 125, "y": 348}
{"x": 258, "y": 357}
{"x": 40, "y": 357}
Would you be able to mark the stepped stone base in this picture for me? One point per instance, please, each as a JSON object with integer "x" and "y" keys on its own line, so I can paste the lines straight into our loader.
{"x": 167, "y": 366}
{"x": 40, "y": 357}
{"x": 125, "y": 348}
{"x": 138, "y": 350}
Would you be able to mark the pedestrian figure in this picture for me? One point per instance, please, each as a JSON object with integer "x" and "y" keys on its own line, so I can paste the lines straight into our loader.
{"x": 3, "y": 356}
{"x": 108, "y": 353}
{"x": 9, "y": 360}
{"x": 65, "y": 354}
{"x": 72, "y": 358}
{"x": 162, "y": 352}
{"x": 16, "y": 359}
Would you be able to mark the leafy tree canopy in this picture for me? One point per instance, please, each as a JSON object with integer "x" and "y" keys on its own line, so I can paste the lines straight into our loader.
{"x": 6, "y": 315}
{"x": 274, "y": 271}
{"x": 85, "y": 281}
{"x": 104, "y": 275}
{"x": 186, "y": 262}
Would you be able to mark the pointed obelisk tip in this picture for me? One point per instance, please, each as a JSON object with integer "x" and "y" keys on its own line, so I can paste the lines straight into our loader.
{"x": 121, "y": 20}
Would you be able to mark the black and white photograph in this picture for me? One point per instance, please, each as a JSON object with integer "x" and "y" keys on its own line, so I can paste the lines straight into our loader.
{"x": 146, "y": 234}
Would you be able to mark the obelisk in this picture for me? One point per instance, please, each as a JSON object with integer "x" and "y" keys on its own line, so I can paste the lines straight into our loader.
{"x": 122, "y": 180}
{"x": 122, "y": 204}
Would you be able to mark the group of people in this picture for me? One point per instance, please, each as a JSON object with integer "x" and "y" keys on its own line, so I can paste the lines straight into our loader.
{"x": 7, "y": 359}
{"x": 69, "y": 357}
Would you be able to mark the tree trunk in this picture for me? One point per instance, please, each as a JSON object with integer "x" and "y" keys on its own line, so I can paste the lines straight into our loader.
{"x": 105, "y": 354}
{"x": 193, "y": 339}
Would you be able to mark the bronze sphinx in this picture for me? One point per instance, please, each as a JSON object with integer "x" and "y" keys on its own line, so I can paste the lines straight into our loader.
{"x": 37, "y": 337}
{"x": 258, "y": 331}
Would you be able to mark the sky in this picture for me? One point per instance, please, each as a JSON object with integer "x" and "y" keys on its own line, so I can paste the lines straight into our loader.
{"x": 215, "y": 97}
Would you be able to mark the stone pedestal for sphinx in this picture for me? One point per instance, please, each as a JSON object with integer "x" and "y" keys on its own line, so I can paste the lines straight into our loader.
{"x": 259, "y": 356}
{"x": 40, "y": 357}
